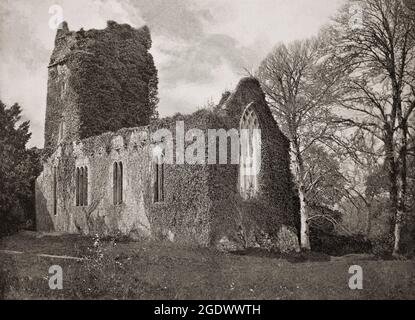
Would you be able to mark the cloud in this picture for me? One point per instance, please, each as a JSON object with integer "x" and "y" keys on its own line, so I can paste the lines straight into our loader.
{"x": 20, "y": 86}
{"x": 200, "y": 47}
{"x": 26, "y": 42}
{"x": 187, "y": 96}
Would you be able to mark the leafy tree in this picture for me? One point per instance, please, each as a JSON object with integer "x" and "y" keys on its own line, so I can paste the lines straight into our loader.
{"x": 18, "y": 166}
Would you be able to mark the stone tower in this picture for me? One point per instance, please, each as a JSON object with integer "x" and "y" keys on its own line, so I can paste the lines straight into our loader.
{"x": 99, "y": 81}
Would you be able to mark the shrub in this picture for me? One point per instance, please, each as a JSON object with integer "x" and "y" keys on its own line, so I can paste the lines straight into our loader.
{"x": 338, "y": 245}
{"x": 382, "y": 246}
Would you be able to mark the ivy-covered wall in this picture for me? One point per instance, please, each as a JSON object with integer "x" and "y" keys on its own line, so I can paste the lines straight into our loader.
{"x": 99, "y": 81}
{"x": 269, "y": 219}
{"x": 184, "y": 215}
{"x": 201, "y": 205}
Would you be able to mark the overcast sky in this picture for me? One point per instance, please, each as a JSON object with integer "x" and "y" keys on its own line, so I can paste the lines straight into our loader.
{"x": 200, "y": 47}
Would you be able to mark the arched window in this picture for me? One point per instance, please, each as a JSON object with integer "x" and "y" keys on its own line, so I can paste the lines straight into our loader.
{"x": 117, "y": 174}
{"x": 55, "y": 193}
{"x": 120, "y": 178}
{"x": 250, "y": 153}
{"x": 159, "y": 179}
{"x": 77, "y": 186}
{"x": 114, "y": 182}
{"x": 81, "y": 182}
{"x": 81, "y": 187}
{"x": 85, "y": 186}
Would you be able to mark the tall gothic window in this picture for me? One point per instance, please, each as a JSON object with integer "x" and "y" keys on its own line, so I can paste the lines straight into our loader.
{"x": 117, "y": 173}
{"x": 159, "y": 179}
{"x": 81, "y": 182}
{"x": 250, "y": 154}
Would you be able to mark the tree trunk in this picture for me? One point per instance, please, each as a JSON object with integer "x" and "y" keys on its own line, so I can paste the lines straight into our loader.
{"x": 304, "y": 231}
{"x": 298, "y": 172}
{"x": 397, "y": 233}
{"x": 402, "y": 194}
{"x": 393, "y": 187}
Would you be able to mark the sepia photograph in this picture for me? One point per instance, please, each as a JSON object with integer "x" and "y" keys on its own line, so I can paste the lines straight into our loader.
{"x": 207, "y": 157}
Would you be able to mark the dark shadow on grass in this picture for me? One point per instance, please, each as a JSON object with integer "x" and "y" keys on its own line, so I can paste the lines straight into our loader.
{"x": 294, "y": 257}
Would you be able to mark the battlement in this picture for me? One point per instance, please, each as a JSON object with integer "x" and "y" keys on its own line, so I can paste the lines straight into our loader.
{"x": 67, "y": 41}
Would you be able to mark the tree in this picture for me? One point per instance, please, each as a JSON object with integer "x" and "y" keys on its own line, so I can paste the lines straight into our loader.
{"x": 377, "y": 54}
{"x": 324, "y": 181}
{"x": 358, "y": 153}
{"x": 376, "y": 189}
{"x": 298, "y": 84}
{"x": 18, "y": 166}
{"x": 410, "y": 8}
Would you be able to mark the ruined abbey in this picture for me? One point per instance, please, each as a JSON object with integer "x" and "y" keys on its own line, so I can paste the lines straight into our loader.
{"x": 101, "y": 175}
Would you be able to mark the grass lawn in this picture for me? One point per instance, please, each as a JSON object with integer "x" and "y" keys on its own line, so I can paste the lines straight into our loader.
{"x": 148, "y": 270}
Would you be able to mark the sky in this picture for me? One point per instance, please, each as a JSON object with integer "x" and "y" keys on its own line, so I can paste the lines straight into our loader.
{"x": 201, "y": 47}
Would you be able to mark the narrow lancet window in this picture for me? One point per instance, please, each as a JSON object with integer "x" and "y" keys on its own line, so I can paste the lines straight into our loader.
{"x": 250, "y": 154}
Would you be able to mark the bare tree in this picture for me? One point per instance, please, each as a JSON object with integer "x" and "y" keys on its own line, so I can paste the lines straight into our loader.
{"x": 298, "y": 86}
{"x": 377, "y": 54}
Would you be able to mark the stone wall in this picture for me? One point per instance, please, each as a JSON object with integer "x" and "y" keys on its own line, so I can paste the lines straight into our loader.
{"x": 182, "y": 216}
{"x": 269, "y": 219}
{"x": 101, "y": 91}
{"x": 202, "y": 204}
{"x": 131, "y": 146}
